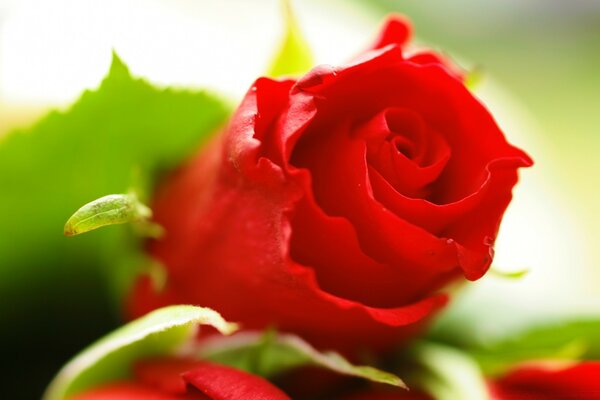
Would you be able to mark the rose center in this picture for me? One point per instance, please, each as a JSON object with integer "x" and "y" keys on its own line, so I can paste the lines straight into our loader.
{"x": 404, "y": 145}
{"x": 400, "y": 132}
{"x": 403, "y": 150}
{"x": 405, "y": 132}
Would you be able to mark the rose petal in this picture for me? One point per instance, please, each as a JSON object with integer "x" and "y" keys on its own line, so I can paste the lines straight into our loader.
{"x": 339, "y": 171}
{"x": 425, "y": 151}
{"x": 476, "y": 247}
{"x": 483, "y": 209}
{"x": 132, "y": 391}
{"x": 220, "y": 382}
{"x": 322, "y": 76}
{"x": 164, "y": 373}
{"x": 330, "y": 246}
{"x": 425, "y": 57}
{"x": 445, "y": 104}
{"x": 259, "y": 109}
{"x": 396, "y": 30}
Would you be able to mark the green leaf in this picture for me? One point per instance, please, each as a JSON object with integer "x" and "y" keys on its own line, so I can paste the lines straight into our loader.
{"x": 108, "y": 210}
{"x": 160, "y": 332}
{"x": 294, "y": 56}
{"x": 97, "y": 146}
{"x": 447, "y": 373}
{"x": 272, "y": 353}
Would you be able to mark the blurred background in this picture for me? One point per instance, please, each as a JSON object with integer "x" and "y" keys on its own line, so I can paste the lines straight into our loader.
{"x": 541, "y": 79}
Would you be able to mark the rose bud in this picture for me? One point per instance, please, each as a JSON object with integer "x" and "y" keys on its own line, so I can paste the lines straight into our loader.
{"x": 340, "y": 205}
{"x": 173, "y": 379}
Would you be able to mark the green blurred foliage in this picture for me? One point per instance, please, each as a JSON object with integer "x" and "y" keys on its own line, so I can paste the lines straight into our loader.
{"x": 56, "y": 290}
{"x": 563, "y": 340}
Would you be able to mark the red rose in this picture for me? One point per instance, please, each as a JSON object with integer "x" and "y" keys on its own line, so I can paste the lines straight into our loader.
{"x": 339, "y": 206}
{"x": 175, "y": 379}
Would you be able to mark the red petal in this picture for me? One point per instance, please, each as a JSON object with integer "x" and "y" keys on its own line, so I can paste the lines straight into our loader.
{"x": 396, "y": 30}
{"x": 330, "y": 245}
{"x": 430, "y": 57}
{"x": 131, "y": 391}
{"x": 425, "y": 151}
{"x": 164, "y": 374}
{"x": 220, "y": 382}
{"x": 339, "y": 171}
{"x": 259, "y": 109}
{"x": 539, "y": 383}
